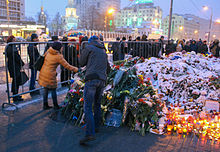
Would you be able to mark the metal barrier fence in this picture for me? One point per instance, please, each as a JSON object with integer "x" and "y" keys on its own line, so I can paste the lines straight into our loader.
{"x": 17, "y": 58}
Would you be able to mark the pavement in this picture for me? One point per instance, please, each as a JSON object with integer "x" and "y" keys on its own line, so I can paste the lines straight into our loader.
{"x": 30, "y": 129}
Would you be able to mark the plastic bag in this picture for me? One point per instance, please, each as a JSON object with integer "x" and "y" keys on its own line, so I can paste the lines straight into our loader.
{"x": 114, "y": 118}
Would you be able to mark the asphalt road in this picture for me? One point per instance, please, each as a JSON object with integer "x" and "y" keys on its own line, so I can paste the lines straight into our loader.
{"x": 31, "y": 129}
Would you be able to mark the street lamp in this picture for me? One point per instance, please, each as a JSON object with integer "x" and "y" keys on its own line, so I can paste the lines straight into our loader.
{"x": 109, "y": 18}
{"x": 210, "y": 25}
{"x": 218, "y": 21}
{"x": 181, "y": 28}
{"x": 111, "y": 11}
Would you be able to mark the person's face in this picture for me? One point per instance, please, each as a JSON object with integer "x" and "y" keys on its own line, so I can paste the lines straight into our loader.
{"x": 205, "y": 42}
{"x": 162, "y": 39}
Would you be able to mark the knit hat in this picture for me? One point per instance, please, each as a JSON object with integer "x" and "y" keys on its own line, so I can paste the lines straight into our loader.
{"x": 57, "y": 46}
{"x": 93, "y": 38}
{"x": 10, "y": 39}
{"x": 34, "y": 36}
{"x": 54, "y": 38}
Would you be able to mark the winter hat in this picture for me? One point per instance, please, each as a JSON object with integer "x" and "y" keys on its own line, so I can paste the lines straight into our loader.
{"x": 57, "y": 46}
{"x": 10, "y": 39}
{"x": 54, "y": 38}
{"x": 34, "y": 36}
{"x": 93, "y": 38}
{"x": 118, "y": 38}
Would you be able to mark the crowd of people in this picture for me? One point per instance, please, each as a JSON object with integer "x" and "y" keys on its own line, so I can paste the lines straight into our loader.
{"x": 193, "y": 45}
{"x": 93, "y": 56}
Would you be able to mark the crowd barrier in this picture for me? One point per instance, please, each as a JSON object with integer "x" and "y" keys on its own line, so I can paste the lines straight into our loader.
{"x": 71, "y": 52}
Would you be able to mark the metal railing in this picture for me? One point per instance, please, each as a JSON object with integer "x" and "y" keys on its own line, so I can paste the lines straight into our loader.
{"x": 71, "y": 52}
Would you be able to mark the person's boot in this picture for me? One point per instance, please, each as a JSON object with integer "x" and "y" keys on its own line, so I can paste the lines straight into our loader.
{"x": 56, "y": 106}
{"x": 86, "y": 139}
{"x": 17, "y": 99}
{"x": 46, "y": 106}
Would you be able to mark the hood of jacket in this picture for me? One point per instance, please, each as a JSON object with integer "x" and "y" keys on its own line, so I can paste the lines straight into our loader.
{"x": 52, "y": 51}
{"x": 97, "y": 44}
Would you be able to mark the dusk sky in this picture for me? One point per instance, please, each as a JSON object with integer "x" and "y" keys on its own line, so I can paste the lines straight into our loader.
{"x": 180, "y": 6}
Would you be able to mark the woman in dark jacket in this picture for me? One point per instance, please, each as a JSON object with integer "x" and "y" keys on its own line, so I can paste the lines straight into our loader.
{"x": 215, "y": 49}
{"x": 170, "y": 47}
{"x": 15, "y": 64}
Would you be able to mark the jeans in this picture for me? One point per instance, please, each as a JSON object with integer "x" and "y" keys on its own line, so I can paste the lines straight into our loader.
{"x": 33, "y": 79}
{"x": 92, "y": 95}
{"x": 54, "y": 96}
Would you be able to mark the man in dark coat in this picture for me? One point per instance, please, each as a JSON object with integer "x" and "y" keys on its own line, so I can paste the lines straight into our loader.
{"x": 193, "y": 46}
{"x": 115, "y": 49}
{"x": 170, "y": 47}
{"x": 161, "y": 41}
{"x": 33, "y": 56}
{"x": 187, "y": 47}
{"x": 203, "y": 48}
{"x": 70, "y": 55}
{"x": 122, "y": 49}
{"x": 95, "y": 59}
{"x": 15, "y": 64}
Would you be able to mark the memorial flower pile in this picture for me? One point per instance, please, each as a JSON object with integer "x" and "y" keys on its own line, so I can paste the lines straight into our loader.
{"x": 155, "y": 94}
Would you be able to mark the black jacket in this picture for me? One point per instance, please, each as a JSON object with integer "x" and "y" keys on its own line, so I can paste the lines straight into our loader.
{"x": 15, "y": 62}
{"x": 116, "y": 51}
{"x": 203, "y": 49}
{"x": 95, "y": 59}
{"x": 33, "y": 54}
{"x": 170, "y": 48}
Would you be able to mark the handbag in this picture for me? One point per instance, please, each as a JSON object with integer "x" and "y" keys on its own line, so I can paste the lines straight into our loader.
{"x": 39, "y": 63}
{"x": 23, "y": 78}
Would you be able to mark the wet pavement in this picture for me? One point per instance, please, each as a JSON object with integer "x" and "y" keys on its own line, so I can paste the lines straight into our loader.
{"x": 30, "y": 129}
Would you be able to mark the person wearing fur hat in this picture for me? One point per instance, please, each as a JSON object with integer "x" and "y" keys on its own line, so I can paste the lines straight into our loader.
{"x": 47, "y": 76}
{"x": 33, "y": 56}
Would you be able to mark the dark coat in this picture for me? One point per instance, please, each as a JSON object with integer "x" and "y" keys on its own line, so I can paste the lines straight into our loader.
{"x": 116, "y": 51}
{"x": 187, "y": 48}
{"x": 203, "y": 49}
{"x": 15, "y": 62}
{"x": 194, "y": 47}
{"x": 215, "y": 49}
{"x": 33, "y": 54}
{"x": 170, "y": 48}
{"x": 95, "y": 59}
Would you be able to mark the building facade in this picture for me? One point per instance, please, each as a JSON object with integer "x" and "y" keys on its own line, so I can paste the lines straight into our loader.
{"x": 92, "y": 13}
{"x": 70, "y": 19}
{"x": 183, "y": 27}
{"x": 16, "y": 10}
{"x": 142, "y": 16}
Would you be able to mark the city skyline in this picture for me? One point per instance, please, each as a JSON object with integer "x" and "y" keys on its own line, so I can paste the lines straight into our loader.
{"x": 188, "y": 7}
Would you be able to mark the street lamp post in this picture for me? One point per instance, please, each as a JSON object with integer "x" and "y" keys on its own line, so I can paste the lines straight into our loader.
{"x": 109, "y": 19}
{"x": 170, "y": 19}
{"x": 8, "y": 18}
{"x": 210, "y": 24}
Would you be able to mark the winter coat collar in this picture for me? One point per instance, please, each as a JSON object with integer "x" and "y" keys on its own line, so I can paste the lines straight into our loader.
{"x": 97, "y": 44}
{"x": 52, "y": 51}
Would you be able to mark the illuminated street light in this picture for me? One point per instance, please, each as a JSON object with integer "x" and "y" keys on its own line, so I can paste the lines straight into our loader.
{"x": 196, "y": 31}
{"x": 111, "y": 11}
{"x": 214, "y": 36}
{"x": 218, "y": 21}
{"x": 205, "y": 8}
{"x": 181, "y": 28}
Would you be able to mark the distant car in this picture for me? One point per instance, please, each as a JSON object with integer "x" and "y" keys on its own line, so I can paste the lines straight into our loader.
{"x": 20, "y": 39}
